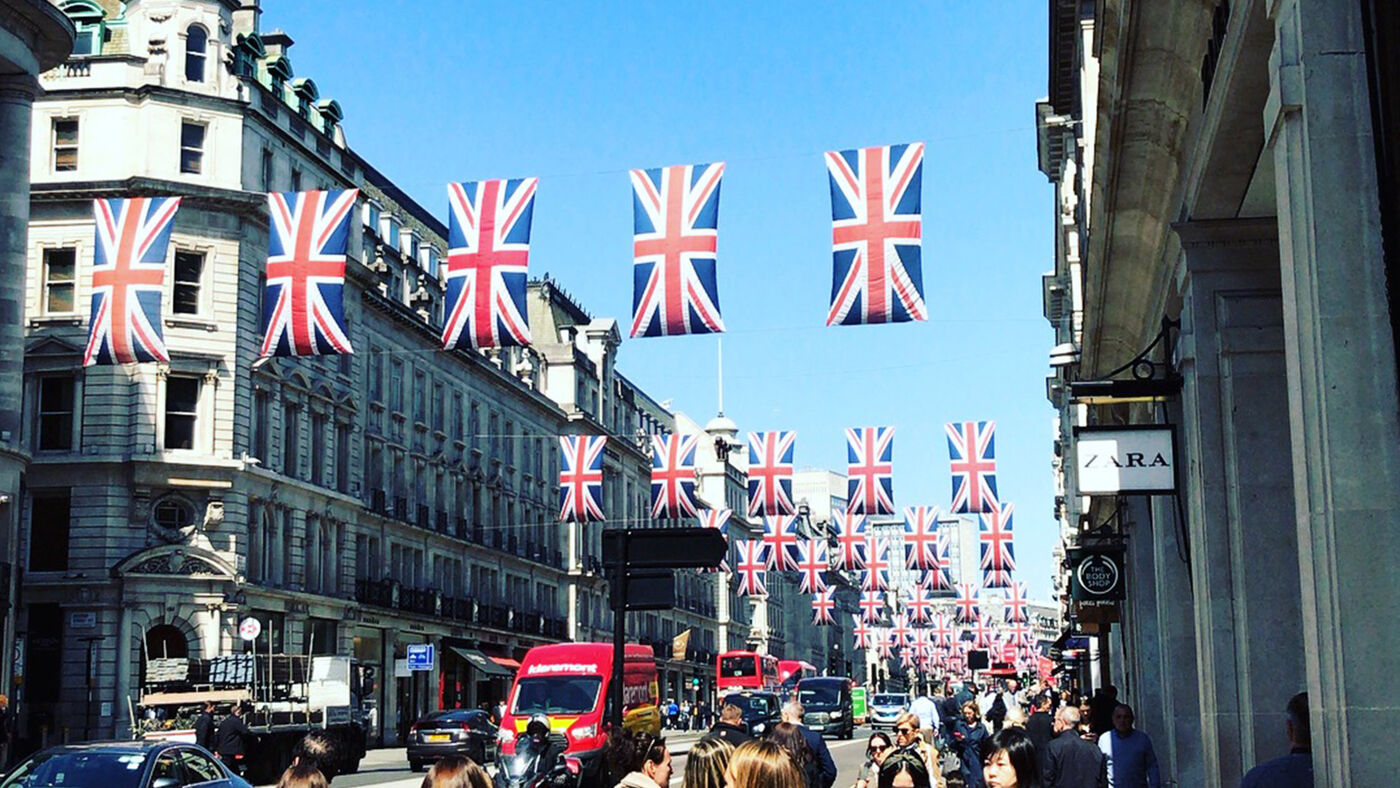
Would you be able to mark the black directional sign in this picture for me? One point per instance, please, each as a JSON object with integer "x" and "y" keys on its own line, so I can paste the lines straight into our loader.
{"x": 666, "y": 548}
{"x": 647, "y": 589}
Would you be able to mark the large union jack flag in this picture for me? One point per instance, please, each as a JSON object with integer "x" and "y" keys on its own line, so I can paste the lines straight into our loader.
{"x": 1017, "y": 603}
{"x": 870, "y": 470}
{"x": 876, "y": 234}
{"x": 852, "y": 540}
{"x": 128, "y": 278}
{"x": 780, "y": 537}
{"x": 770, "y": 472}
{"x": 811, "y": 565}
{"x": 998, "y": 555}
{"x": 675, "y": 218}
{"x": 872, "y": 605}
{"x": 973, "y": 457}
{"x": 488, "y": 238}
{"x": 965, "y": 604}
{"x": 824, "y": 607}
{"x": 752, "y": 568}
{"x": 719, "y": 520}
{"x": 672, "y": 475}
{"x": 921, "y": 535}
{"x": 581, "y": 478}
{"x": 304, "y": 312}
{"x": 863, "y": 633}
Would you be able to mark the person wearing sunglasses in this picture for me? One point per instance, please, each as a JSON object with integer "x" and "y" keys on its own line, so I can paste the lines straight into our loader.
{"x": 875, "y": 750}
{"x": 909, "y": 746}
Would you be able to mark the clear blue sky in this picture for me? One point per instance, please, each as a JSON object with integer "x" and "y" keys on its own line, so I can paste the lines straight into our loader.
{"x": 578, "y": 93}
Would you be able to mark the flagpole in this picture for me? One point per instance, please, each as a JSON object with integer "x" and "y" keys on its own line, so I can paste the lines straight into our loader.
{"x": 719, "y": 351}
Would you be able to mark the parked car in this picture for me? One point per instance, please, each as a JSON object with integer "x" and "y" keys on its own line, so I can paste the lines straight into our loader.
{"x": 123, "y": 764}
{"x": 762, "y": 710}
{"x": 468, "y": 732}
{"x": 885, "y": 708}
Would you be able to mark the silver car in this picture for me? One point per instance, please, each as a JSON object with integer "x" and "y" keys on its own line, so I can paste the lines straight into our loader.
{"x": 885, "y": 708}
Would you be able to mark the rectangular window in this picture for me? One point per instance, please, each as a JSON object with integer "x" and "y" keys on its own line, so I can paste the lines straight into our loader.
{"x": 391, "y": 232}
{"x": 296, "y": 179}
{"x": 318, "y": 448}
{"x": 371, "y": 217}
{"x": 267, "y": 170}
{"x": 181, "y": 411}
{"x": 59, "y": 280}
{"x": 342, "y": 457}
{"x": 65, "y": 144}
{"x": 49, "y": 528}
{"x": 273, "y": 627}
{"x": 396, "y": 386}
{"x": 262, "y": 416}
{"x": 437, "y": 406}
{"x": 55, "y": 413}
{"x": 192, "y": 147}
{"x": 376, "y": 375}
{"x": 419, "y": 384}
{"x": 189, "y": 267}
{"x": 291, "y": 438}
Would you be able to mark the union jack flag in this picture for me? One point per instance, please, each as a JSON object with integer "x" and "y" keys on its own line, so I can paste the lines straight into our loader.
{"x": 1022, "y": 636}
{"x": 900, "y": 633}
{"x": 811, "y": 564}
{"x": 824, "y": 607}
{"x": 942, "y": 630}
{"x": 128, "y": 277}
{"x": 1016, "y": 603}
{"x": 752, "y": 565}
{"x": 675, "y": 218}
{"x": 304, "y": 312}
{"x": 852, "y": 541}
{"x": 862, "y": 632}
{"x": 718, "y": 519}
{"x": 973, "y": 459}
{"x": 883, "y": 646}
{"x": 770, "y": 472}
{"x": 876, "y": 234}
{"x": 920, "y": 605}
{"x": 876, "y": 576}
{"x": 488, "y": 238}
{"x": 870, "y": 470}
{"x": 907, "y": 657}
{"x": 965, "y": 604}
{"x": 923, "y": 643}
{"x": 872, "y": 605}
{"x": 921, "y": 536}
{"x": 998, "y": 557}
{"x": 780, "y": 537}
{"x": 940, "y": 575}
{"x": 672, "y": 475}
{"x": 981, "y": 632}
{"x": 581, "y": 478}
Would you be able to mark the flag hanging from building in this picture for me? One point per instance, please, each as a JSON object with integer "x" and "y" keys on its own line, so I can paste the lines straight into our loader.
{"x": 304, "y": 310}
{"x": 770, "y": 472}
{"x": 870, "y": 470}
{"x": 812, "y": 565}
{"x": 973, "y": 459}
{"x": 488, "y": 238}
{"x": 672, "y": 475}
{"x": 876, "y": 235}
{"x": 581, "y": 478}
{"x": 852, "y": 541}
{"x": 998, "y": 555}
{"x": 780, "y": 537}
{"x": 128, "y": 280}
{"x": 965, "y": 604}
{"x": 719, "y": 520}
{"x": 921, "y": 535}
{"x": 675, "y": 218}
{"x": 824, "y": 607}
{"x": 872, "y": 605}
{"x": 752, "y": 568}
{"x": 876, "y": 575}
{"x": 1017, "y": 603}
{"x": 862, "y": 632}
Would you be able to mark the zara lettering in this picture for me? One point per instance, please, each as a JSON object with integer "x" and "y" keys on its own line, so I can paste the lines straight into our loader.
{"x": 1132, "y": 459}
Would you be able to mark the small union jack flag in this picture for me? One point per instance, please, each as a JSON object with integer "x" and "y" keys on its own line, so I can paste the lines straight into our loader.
{"x": 770, "y": 472}
{"x": 998, "y": 557}
{"x": 488, "y": 238}
{"x": 973, "y": 457}
{"x": 920, "y": 605}
{"x": 304, "y": 312}
{"x": 824, "y": 607}
{"x": 780, "y": 537}
{"x": 876, "y": 233}
{"x": 981, "y": 632}
{"x": 939, "y": 577}
{"x": 852, "y": 540}
{"x": 672, "y": 475}
{"x": 965, "y": 603}
{"x": 811, "y": 565}
{"x": 921, "y": 534}
{"x": 870, "y": 470}
{"x": 718, "y": 519}
{"x": 581, "y": 478}
{"x": 883, "y": 646}
{"x": 1017, "y": 603}
{"x": 864, "y": 636}
{"x": 877, "y": 566}
{"x": 752, "y": 568}
{"x": 128, "y": 278}
{"x": 675, "y": 217}
{"x": 906, "y": 657}
{"x": 942, "y": 629}
{"x": 900, "y": 633}
{"x": 923, "y": 643}
{"x": 1022, "y": 636}
{"x": 872, "y": 605}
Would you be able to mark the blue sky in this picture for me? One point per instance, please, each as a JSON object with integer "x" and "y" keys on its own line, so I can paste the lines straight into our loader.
{"x": 578, "y": 93}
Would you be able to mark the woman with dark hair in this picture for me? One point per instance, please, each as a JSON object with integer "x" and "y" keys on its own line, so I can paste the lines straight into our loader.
{"x": 637, "y": 760}
{"x": 456, "y": 771}
{"x": 1012, "y": 761}
{"x": 876, "y": 747}
{"x": 904, "y": 773}
{"x": 789, "y": 737}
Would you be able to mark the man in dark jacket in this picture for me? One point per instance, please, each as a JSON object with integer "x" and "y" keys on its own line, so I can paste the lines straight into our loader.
{"x": 730, "y": 727}
{"x": 792, "y": 712}
{"x": 1041, "y": 728}
{"x": 1070, "y": 761}
{"x": 204, "y": 727}
{"x": 233, "y": 738}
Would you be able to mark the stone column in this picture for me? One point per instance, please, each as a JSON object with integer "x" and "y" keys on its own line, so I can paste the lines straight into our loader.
{"x": 1239, "y": 492}
{"x": 1178, "y": 738}
{"x": 124, "y": 670}
{"x": 1342, "y": 384}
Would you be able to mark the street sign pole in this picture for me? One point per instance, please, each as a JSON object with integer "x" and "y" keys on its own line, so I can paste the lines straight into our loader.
{"x": 619, "y": 636}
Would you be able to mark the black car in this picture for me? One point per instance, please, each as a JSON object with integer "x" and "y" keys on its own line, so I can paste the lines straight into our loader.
{"x": 826, "y": 704}
{"x": 468, "y": 732}
{"x": 762, "y": 710}
{"x": 123, "y": 764}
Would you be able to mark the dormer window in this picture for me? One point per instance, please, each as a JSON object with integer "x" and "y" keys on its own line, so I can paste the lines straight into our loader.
{"x": 371, "y": 217}
{"x": 389, "y": 231}
{"x": 196, "y": 51}
{"x": 89, "y": 21}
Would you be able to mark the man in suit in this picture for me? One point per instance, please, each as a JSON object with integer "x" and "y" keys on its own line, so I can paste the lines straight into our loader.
{"x": 793, "y": 712}
{"x": 1070, "y": 761}
{"x": 204, "y": 727}
{"x": 730, "y": 727}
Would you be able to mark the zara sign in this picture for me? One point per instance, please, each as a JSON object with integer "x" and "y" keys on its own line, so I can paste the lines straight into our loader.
{"x": 1114, "y": 460}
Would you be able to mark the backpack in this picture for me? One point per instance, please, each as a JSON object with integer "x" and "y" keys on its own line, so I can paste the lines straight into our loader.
{"x": 997, "y": 710}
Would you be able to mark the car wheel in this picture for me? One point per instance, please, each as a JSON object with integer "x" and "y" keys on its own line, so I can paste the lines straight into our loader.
{"x": 415, "y": 766}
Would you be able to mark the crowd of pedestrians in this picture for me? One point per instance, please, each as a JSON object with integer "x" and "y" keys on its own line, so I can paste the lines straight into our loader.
{"x": 685, "y": 716}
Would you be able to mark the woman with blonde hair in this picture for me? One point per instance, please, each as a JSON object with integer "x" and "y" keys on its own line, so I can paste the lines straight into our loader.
{"x": 704, "y": 767}
{"x": 762, "y": 764}
{"x": 455, "y": 771}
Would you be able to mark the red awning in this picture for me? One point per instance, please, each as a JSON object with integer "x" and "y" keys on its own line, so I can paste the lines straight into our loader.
{"x": 506, "y": 662}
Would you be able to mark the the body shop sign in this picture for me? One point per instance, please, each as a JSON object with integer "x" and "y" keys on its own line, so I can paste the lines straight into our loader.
{"x": 1113, "y": 460}
{"x": 1097, "y": 574}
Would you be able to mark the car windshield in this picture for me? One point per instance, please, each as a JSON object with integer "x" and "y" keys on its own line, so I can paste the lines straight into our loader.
{"x": 889, "y": 700}
{"x": 752, "y": 705}
{"x": 78, "y": 770}
{"x": 556, "y": 695}
{"x": 819, "y": 694}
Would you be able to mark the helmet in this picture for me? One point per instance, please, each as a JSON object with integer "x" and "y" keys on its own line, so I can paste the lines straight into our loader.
{"x": 538, "y": 727}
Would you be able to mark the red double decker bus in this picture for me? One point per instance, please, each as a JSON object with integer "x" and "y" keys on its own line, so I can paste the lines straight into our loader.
{"x": 736, "y": 670}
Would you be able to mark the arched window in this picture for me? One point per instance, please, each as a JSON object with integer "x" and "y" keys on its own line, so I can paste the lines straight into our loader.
{"x": 88, "y": 19}
{"x": 196, "y": 52}
{"x": 166, "y": 640}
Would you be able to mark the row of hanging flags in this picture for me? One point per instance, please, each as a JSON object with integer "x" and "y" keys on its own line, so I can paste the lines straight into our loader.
{"x": 876, "y": 237}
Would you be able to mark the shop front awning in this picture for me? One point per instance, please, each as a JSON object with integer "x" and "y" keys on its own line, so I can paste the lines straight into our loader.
{"x": 507, "y": 663}
{"x": 483, "y": 664}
